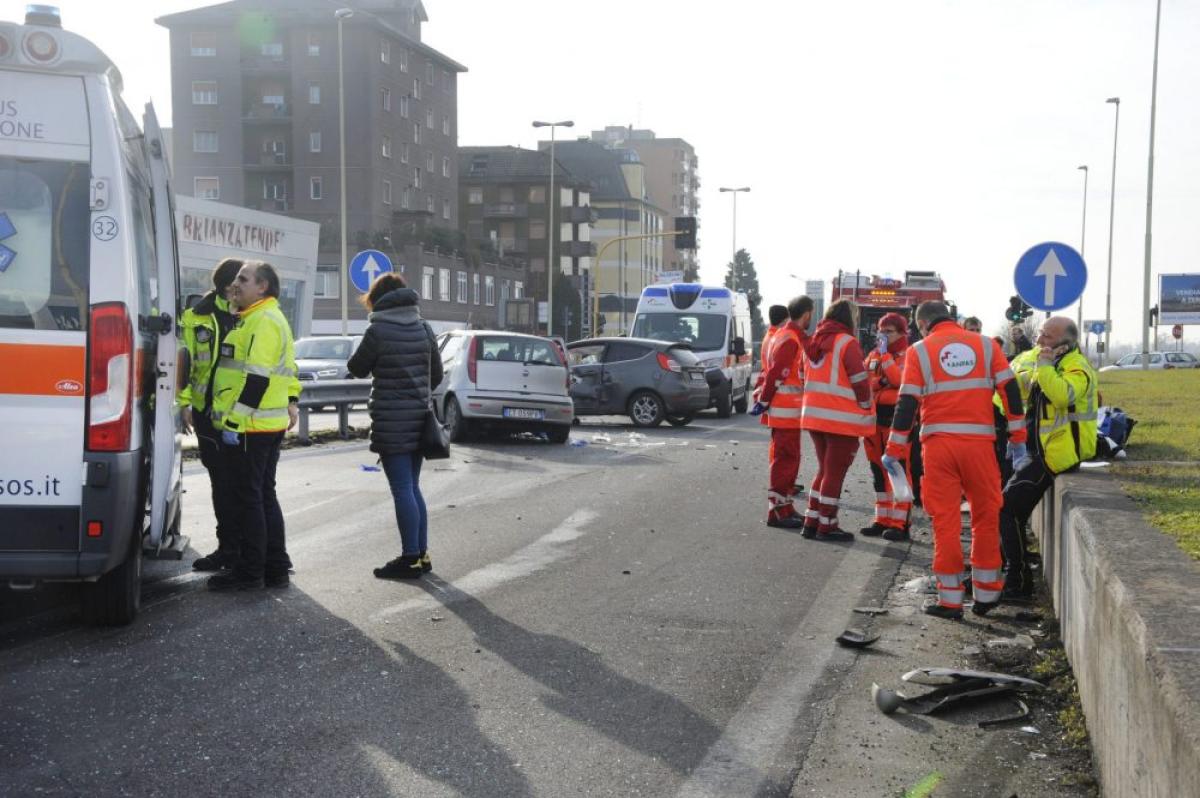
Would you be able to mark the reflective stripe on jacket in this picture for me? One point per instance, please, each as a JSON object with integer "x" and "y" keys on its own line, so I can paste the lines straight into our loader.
{"x": 830, "y": 404}
{"x": 1065, "y": 411}
{"x": 260, "y": 345}
{"x": 784, "y": 412}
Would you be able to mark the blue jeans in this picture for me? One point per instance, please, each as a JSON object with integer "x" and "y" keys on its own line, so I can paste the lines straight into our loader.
{"x": 404, "y": 475}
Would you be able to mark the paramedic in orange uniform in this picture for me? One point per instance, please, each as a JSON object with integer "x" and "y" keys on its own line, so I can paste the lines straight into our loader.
{"x": 780, "y": 397}
{"x": 952, "y": 375}
{"x": 884, "y": 367}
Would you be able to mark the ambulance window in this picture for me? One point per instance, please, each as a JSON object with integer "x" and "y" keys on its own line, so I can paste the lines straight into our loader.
{"x": 44, "y": 244}
{"x": 143, "y": 241}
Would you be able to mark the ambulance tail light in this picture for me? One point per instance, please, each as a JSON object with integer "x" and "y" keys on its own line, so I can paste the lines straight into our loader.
{"x": 110, "y": 379}
{"x": 472, "y": 359}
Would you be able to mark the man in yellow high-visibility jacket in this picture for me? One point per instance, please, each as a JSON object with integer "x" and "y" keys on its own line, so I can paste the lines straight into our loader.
{"x": 255, "y": 400}
{"x": 204, "y": 327}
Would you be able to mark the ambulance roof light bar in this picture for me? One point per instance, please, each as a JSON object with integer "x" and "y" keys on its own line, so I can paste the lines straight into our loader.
{"x": 46, "y": 16}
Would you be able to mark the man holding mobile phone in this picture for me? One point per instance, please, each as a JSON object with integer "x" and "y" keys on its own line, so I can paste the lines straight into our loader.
{"x": 1062, "y": 434}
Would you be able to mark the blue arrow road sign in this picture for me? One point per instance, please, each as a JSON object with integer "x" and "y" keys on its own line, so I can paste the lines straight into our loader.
{"x": 366, "y": 266}
{"x": 1050, "y": 276}
{"x": 7, "y": 256}
{"x": 1098, "y": 328}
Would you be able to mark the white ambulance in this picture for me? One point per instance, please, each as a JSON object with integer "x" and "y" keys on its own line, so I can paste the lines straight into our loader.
{"x": 715, "y": 322}
{"x": 90, "y": 465}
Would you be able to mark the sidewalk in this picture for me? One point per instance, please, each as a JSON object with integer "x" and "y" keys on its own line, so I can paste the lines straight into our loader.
{"x": 323, "y": 422}
{"x": 858, "y": 751}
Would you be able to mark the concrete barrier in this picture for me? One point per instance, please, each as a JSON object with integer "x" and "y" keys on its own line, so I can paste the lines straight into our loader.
{"x": 1128, "y": 601}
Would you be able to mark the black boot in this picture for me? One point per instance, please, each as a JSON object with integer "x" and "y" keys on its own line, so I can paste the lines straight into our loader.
{"x": 217, "y": 561}
{"x": 872, "y": 531}
{"x": 939, "y": 611}
{"x": 426, "y": 563}
{"x": 897, "y": 535}
{"x": 406, "y": 566}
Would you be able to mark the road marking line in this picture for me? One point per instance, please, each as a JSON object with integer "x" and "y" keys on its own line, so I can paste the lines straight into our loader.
{"x": 534, "y": 557}
{"x": 741, "y": 760}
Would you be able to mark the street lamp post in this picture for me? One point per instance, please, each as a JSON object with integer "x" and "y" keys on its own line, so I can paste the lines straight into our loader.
{"x": 1150, "y": 203}
{"x": 1083, "y": 242}
{"x": 342, "y": 15}
{"x": 550, "y": 233}
{"x": 733, "y": 263}
{"x": 1112, "y": 204}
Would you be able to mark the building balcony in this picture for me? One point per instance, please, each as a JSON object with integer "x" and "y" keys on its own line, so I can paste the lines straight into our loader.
{"x": 267, "y": 113}
{"x": 580, "y": 214}
{"x": 577, "y": 249}
{"x": 505, "y": 210}
{"x": 266, "y": 64}
{"x": 270, "y": 205}
{"x": 268, "y": 162}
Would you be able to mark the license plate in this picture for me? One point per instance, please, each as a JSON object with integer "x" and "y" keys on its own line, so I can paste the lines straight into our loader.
{"x": 524, "y": 412}
{"x": 697, "y": 377}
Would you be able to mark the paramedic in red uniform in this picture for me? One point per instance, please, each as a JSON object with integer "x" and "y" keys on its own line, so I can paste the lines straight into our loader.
{"x": 884, "y": 367}
{"x": 837, "y": 412}
{"x": 952, "y": 375}
{"x": 781, "y": 396}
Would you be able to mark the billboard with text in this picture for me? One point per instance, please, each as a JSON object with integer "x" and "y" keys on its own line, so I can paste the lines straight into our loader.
{"x": 1179, "y": 298}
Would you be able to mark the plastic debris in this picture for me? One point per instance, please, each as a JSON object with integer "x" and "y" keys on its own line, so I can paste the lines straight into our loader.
{"x": 871, "y": 610}
{"x": 578, "y": 443}
{"x": 601, "y": 437}
{"x": 856, "y": 638}
{"x": 1031, "y": 730}
{"x": 1022, "y": 713}
{"x": 922, "y": 584}
{"x": 370, "y": 468}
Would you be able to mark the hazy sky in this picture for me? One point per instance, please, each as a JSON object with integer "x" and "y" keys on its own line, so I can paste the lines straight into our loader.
{"x": 880, "y": 135}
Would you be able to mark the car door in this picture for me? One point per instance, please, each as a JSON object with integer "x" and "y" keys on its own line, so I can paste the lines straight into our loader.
{"x": 624, "y": 373}
{"x": 586, "y": 361}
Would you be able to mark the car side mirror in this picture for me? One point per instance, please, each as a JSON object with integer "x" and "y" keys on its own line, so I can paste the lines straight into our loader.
{"x": 738, "y": 349}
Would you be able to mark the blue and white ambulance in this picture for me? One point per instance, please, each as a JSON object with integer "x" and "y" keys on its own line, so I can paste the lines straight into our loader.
{"x": 715, "y": 322}
{"x": 90, "y": 465}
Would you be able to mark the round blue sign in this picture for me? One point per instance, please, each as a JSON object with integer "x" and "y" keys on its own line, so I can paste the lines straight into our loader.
{"x": 1050, "y": 276}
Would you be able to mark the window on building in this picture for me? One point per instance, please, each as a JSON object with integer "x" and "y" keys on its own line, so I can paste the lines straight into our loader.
{"x": 204, "y": 92}
{"x": 445, "y": 166}
{"x": 314, "y": 188}
{"x": 429, "y": 118}
{"x": 446, "y": 79}
{"x": 204, "y": 141}
{"x": 445, "y": 126}
{"x": 429, "y": 203}
{"x": 427, "y": 283}
{"x": 385, "y": 51}
{"x": 537, "y": 229}
{"x": 405, "y": 198}
{"x": 385, "y": 147}
{"x": 314, "y": 141}
{"x": 404, "y": 107}
{"x": 537, "y": 195}
{"x": 403, "y": 56}
{"x": 429, "y": 156}
{"x": 274, "y": 189}
{"x": 204, "y": 45}
{"x": 416, "y": 134}
{"x": 475, "y": 295}
{"x": 416, "y": 93}
{"x": 404, "y": 152}
{"x": 327, "y": 284}
{"x": 445, "y": 209}
{"x": 273, "y": 100}
{"x": 518, "y": 290}
{"x": 314, "y": 44}
{"x": 475, "y": 195}
{"x": 272, "y": 49}
{"x": 314, "y": 93}
{"x": 462, "y": 287}
{"x": 416, "y": 178}
{"x": 208, "y": 188}
{"x": 505, "y": 290}
{"x": 387, "y": 192}
{"x": 429, "y": 74}
{"x": 444, "y": 285}
{"x": 385, "y": 99}
{"x": 489, "y": 290}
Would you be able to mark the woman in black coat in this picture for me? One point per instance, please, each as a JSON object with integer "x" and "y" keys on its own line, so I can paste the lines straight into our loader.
{"x": 399, "y": 353}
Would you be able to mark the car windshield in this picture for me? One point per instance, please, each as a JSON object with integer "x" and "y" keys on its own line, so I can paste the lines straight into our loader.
{"x": 323, "y": 349}
{"x": 701, "y": 331}
{"x": 528, "y": 351}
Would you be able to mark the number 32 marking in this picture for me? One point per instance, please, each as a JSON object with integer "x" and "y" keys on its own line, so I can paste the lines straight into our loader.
{"x": 104, "y": 228}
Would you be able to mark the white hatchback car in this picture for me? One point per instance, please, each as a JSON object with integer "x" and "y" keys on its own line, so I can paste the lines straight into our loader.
{"x": 503, "y": 380}
{"x": 1158, "y": 360}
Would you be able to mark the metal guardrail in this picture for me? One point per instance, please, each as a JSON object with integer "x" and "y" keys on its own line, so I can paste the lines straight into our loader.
{"x": 340, "y": 393}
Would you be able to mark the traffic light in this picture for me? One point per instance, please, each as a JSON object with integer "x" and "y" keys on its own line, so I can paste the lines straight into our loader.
{"x": 685, "y": 226}
{"x": 1018, "y": 310}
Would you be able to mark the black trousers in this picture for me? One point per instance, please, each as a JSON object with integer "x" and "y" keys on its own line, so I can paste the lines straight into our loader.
{"x": 262, "y": 545}
{"x": 1006, "y": 469}
{"x": 1021, "y": 495}
{"x": 223, "y": 500}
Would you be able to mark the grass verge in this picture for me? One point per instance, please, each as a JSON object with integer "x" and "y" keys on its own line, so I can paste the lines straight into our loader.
{"x": 1164, "y": 404}
{"x": 1169, "y": 495}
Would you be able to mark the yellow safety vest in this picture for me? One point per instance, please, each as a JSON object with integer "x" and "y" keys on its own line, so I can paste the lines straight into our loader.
{"x": 260, "y": 344}
{"x": 1066, "y": 411}
{"x": 1023, "y": 366}
{"x": 201, "y": 337}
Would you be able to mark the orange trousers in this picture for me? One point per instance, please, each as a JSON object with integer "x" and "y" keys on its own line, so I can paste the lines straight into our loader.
{"x": 888, "y": 511}
{"x": 957, "y": 467}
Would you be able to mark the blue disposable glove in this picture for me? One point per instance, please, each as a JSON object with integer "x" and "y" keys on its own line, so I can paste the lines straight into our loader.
{"x": 229, "y": 437}
{"x": 889, "y": 462}
{"x": 758, "y": 409}
{"x": 881, "y": 345}
{"x": 1019, "y": 454}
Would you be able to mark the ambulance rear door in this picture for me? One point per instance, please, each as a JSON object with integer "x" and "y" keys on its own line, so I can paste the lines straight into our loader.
{"x": 45, "y": 240}
{"x": 166, "y": 466}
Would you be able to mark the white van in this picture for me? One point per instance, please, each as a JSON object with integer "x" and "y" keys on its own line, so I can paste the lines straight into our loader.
{"x": 714, "y": 322}
{"x": 90, "y": 465}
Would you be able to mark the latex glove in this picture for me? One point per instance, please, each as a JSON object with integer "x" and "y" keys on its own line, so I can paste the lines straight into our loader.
{"x": 1019, "y": 454}
{"x": 889, "y": 462}
{"x": 185, "y": 420}
{"x": 881, "y": 345}
{"x": 293, "y": 414}
{"x": 758, "y": 409}
{"x": 229, "y": 437}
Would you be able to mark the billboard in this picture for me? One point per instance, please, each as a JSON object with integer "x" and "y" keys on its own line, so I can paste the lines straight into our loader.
{"x": 1179, "y": 299}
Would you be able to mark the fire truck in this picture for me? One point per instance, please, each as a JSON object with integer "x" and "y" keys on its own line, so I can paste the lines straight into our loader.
{"x": 877, "y": 296}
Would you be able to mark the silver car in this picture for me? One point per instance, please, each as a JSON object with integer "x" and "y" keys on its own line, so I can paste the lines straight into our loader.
{"x": 1158, "y": 360}
{"x": 324, "y": 357}
{"x": 503, "y": 380}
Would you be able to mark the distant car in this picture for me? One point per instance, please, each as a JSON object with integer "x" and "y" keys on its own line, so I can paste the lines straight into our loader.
{"x": 503, "y": 380}
{"x": 650, "y": 381}
{"x": 1158, "y": 360}
{"x": 324, "y": 357}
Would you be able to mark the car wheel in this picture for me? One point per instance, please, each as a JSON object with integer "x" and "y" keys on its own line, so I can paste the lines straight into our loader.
{"x": 458, "y": 427}
{"x": 558, "y": 433}
{"x": 646, "y": 409}
{"x": 743, "y": 404}
{"x": 725, "y": 404}
{"x": 681, "y": 421}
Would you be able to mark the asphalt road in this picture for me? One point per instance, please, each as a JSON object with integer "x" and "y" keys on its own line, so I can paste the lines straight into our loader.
{"x": 611, "y": 619}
